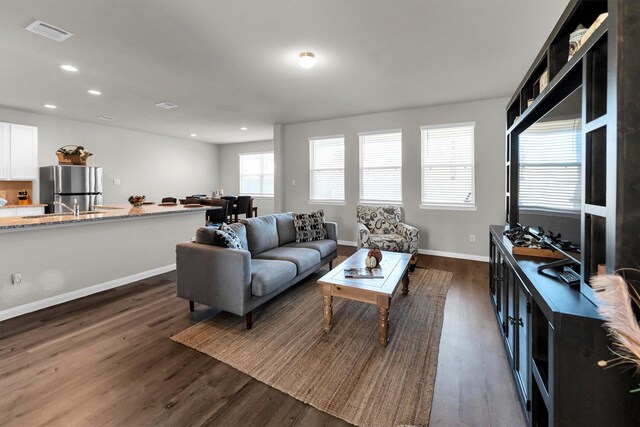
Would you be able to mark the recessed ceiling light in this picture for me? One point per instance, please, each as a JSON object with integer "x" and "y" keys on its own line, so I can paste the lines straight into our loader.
{"x": 50, "y": 106}
{"x": 67, "y": 67}
{"x": 193, "y": 135}
{"x": 306, "y": 60}
{"x": 244, "y": 128}
{"x": 94, "y": 92}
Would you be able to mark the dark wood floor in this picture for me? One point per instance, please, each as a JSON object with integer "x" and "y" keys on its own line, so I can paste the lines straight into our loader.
{"x": 107, "y": 360}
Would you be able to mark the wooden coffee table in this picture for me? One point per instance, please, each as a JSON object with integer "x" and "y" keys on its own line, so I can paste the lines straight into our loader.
{"x": 395, "y": 267}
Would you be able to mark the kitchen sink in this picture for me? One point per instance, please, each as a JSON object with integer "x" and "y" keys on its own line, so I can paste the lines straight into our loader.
{"x": 61, "y": 214}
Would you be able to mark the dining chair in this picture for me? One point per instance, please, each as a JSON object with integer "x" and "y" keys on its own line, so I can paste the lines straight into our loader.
{"x": 232, "y": 201}
{"x": 243, "y": 207}
{"x": 219, "y": 215}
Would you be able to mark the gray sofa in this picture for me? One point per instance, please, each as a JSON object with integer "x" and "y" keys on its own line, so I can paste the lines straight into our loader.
{"x": 239, "y": 280}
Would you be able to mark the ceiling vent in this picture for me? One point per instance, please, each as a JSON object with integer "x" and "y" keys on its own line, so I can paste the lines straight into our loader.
{"x": 49, "y": 31}
{"x": 166, "y": 105}
{"x": 107, "y": 118}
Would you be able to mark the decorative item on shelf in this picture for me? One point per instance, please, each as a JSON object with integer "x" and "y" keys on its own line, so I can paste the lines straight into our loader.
{"x": 599, "y": 20}
{"x": 136, "y": 201}
{"x": 23, "y": 197}
{"x": 575, "y": 40}
{"x": 525, "y": 242}
{"x": 529, "y": 102}
{"x": 617, "y": 299}
{"x": 544, "y": 80}
{"x": 72, "y": 155}
{"x": 136, "y": 210}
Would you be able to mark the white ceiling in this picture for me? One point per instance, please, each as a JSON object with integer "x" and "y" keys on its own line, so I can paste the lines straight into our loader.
{"x": 228, "y": 64}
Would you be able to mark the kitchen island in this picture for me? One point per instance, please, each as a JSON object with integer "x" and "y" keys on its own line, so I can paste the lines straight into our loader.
{"x": 50, "y": 259}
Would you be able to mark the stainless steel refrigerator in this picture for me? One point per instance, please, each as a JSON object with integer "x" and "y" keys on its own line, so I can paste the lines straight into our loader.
{"x": 66, "y": 183}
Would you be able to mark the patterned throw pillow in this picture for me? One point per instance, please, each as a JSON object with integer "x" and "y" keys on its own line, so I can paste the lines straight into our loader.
{"x": 309, "y": 226}
{"x": 228, "y": 237}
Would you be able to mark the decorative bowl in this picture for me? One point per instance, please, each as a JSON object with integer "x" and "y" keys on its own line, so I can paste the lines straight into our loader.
{"x": 136, "y": 200}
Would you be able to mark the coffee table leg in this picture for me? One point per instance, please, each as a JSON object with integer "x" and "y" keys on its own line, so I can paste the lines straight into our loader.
{"x": 405, "y": 283}
{"x": 383, "y": 320}
{"x": 327, "y": 299}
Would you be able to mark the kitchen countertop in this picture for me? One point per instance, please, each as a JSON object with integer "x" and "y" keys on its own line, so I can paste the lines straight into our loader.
{"x": 13, "y": 206}
{"x": 102, "y": 213}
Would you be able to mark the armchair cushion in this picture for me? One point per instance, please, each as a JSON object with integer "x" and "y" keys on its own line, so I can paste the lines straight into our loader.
{"x": 379, "y": 219}
{"x": 309, "y": 227}
{"x": 389, "y": 242}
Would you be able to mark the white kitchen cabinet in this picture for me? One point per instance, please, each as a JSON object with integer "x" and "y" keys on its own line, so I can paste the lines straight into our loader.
{"x": 23, "y": 211}
{"x": 18, "y": 152}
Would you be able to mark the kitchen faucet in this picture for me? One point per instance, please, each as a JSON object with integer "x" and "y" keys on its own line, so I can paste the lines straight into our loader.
{"x": 75, "y": 210}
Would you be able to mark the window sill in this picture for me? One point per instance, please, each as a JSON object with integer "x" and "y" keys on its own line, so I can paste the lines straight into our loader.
{"x": 381, "y": 203}
{"x": 327, "y": 202}
{"x": 259, "y": 196}
{"x": 449, "y": 207}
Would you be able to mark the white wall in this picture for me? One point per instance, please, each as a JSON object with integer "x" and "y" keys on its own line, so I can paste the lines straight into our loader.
{"x": 145, "y": 163}
{"x": 441, "y": 230}
{"x": 230, "y": 171}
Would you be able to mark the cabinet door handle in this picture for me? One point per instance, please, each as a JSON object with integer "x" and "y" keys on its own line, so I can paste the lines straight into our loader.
{"x": 511, "y": 320}
{"x": 520, "y": 322}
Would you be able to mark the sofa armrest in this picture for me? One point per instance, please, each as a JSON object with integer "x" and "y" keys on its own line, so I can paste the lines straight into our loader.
{"x": 332, "y": 230}
{"x": 215, "y": 276}
{"x": 363, "y": 235}
{"x": 412, "y": 234}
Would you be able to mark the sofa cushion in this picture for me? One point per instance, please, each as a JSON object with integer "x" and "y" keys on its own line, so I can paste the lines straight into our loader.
{"x": 241, "y": 232}
{"x": 303, "y": 258}
{"x": 269, "y": 275}
{"x": 325, "y": 246}
{"x": 227, "y": 237}
{"x": 309, "y": 227}
{"x": 262, "y": 233}
{"x": 286, "y": 230}
{"x": 389, "y": 242}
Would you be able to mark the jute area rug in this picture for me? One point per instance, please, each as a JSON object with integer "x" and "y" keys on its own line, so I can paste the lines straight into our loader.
{"x": 345, "y": 373}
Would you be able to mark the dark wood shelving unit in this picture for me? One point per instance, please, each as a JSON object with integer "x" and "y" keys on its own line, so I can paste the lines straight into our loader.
{"x": 552, "y": 334}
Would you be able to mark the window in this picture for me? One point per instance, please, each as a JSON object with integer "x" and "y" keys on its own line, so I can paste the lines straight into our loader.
{"x": 381, "y": 167}
{"x": 550, "y": 174}
{"x": 448, "y": 166}
{"x": 326, "y": 169}
{"x": 256, "y": 174}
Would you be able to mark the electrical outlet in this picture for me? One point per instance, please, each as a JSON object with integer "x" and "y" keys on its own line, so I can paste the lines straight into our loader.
{"x": 472, "y": 238}
{"x": 116, "y": 182}
{"x": 16, "y": 278}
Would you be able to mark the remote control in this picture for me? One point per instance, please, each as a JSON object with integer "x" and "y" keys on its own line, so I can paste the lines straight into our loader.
{"x": 569, "y": 276}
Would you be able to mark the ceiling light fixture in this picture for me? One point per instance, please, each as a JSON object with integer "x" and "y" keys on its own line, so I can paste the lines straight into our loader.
{"x": 68, "y": 67}
{"x": 306, "y": 60}
{"x": 107, "y": 118}
{"x": 244, "y": 128}
{"x": 94, "y": 92}
{"x": 194, "y": 135}
{"x": 50, "y": 106}
{"x": 166, "y": 105}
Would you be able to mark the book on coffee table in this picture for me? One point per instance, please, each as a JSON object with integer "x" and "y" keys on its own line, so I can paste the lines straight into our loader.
{"x": 363, "y": 273}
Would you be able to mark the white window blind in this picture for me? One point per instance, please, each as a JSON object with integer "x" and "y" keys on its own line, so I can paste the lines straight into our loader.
{"x": 381, "y": 167}
{"x": 256, "y": 174}
{"x": 550, "y": 172}
{"x": 326, "y": 164}
{"x": 448, "y": 170}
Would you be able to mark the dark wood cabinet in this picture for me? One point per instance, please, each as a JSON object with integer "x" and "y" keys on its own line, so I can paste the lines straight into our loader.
{"x": 553, "y": 338}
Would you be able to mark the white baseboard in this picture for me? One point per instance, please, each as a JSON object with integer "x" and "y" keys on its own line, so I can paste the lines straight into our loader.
{"x": 59, "y": 299}
{"x": 470, "y": 257}
{"x": 432, "y": 252}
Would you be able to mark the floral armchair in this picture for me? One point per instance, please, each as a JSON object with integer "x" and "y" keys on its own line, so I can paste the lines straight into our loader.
{"x": 380, "y": 227}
